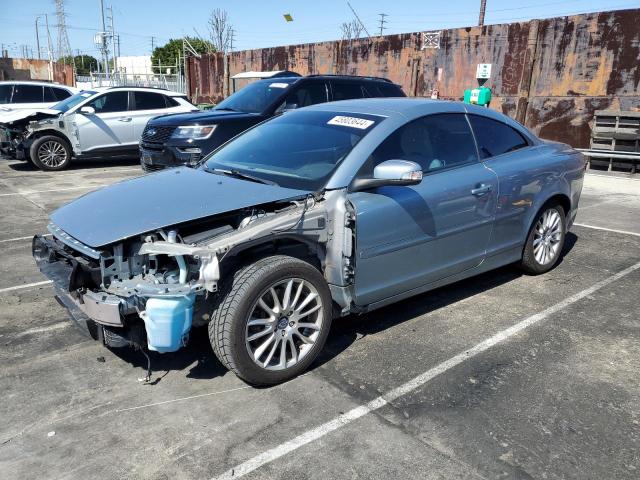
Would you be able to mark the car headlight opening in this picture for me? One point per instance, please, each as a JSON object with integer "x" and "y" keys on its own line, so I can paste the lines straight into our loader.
{"x": 195, "y": 132}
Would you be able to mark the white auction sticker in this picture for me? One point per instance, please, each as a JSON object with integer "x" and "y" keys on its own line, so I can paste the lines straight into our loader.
{"x": 278, "y": 85}
{"x": 355, "y": 122}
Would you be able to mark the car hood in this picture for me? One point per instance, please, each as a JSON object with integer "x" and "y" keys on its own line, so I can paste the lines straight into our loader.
{"x": 29, "y": 114}
{"x": 159, "y": 200}
{"x": 199, "y": 118}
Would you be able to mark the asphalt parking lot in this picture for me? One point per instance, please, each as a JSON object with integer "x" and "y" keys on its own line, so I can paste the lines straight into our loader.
{"x": 499, "y": 376}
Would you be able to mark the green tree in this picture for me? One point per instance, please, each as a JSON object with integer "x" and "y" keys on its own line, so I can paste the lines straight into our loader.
{"x": 84, "y": 63}
{"x": 167, "y": 55}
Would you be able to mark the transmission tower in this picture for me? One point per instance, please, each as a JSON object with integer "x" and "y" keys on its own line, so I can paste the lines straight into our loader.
{"x": 64, "y": 48}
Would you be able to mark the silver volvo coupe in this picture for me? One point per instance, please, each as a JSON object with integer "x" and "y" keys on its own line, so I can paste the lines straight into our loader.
{"x": 322, "y": 212}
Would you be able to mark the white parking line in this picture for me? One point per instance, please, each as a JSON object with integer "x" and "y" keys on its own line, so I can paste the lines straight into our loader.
{"x": 28, "y": 237}
{"x": 26, "y": 285}
{"x": 52, "y": 190}
{"x": 625, "y": 232}
{"x": 55, "y": 326}
{"x": 348, "y": 417}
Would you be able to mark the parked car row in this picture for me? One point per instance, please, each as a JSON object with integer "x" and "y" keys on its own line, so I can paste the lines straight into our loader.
{"x": 325, "y": 211}
{"x": 115, "y": 121}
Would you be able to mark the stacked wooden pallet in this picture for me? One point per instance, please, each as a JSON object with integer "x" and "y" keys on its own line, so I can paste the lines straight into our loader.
{"x": 615, "y": 141}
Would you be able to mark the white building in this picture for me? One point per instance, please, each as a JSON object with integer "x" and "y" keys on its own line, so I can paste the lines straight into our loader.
{"x": 135, "y": 65}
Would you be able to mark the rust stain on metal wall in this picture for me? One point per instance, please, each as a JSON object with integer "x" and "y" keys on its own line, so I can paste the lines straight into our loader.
{"x": 552, "y": 74}
{"x": 32, "y": 69}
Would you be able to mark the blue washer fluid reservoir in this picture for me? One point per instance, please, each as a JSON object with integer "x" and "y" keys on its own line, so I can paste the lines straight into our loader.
{"x": 168, "y": 321}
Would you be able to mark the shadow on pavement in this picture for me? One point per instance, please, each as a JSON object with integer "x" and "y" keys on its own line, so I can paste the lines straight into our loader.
{"x": 344, "y": 331}
{"x": 84, "y": 164}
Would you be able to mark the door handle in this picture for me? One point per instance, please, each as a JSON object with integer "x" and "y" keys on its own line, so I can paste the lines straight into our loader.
{"x": 124, "y": 119}
{"x": 481, "y": 189}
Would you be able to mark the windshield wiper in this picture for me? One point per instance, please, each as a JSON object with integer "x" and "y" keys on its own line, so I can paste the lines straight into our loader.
{"x": 228, "y": 109}
{"x": 239, "y": 174}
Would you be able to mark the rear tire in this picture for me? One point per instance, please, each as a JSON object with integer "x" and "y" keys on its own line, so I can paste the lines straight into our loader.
{"x": 545, "y": 240}
{"x": 50, "y": 153}
{"x": 286, "y": 339}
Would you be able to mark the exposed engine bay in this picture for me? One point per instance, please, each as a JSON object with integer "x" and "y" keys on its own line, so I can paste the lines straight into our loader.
{"x": 165, "y": 280}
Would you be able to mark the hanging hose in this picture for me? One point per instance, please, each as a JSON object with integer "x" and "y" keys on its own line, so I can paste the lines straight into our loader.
{"x": 146, "y": 379}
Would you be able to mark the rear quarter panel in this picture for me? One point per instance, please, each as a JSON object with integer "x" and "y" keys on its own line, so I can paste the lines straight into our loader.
{"x": 527, "y": 180}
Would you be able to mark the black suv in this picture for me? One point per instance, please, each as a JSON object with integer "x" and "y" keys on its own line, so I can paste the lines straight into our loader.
{"x": 183, "y": 139}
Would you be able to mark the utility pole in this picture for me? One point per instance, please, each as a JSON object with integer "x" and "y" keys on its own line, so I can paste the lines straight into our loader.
{"x": 382, "y": 22}
{"x": 113, "y": 39}
{"x": 103, "y": 47}
{"x": 483, "y": 8}
{"x": 46, "y": 19}
{"x": 153, "y": 44}
{"x": 233, "y": 37}
{"x": 38, "y": 36}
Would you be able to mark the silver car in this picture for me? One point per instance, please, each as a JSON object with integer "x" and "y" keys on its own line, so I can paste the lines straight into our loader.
{"x": 105, "y": 121}
{"x": 326, "y": 211}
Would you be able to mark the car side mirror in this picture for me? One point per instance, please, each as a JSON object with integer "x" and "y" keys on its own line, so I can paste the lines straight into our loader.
{"x": 391, "y": 172}
{"x": 87, "y": 110}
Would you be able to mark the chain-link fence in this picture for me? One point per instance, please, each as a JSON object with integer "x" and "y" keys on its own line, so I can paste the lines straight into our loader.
{"x": 172, "y": 82}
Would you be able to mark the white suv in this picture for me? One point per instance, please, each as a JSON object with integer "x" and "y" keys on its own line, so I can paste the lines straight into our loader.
{"x": 105, "y": 121}
{"x": 21, "y": 95}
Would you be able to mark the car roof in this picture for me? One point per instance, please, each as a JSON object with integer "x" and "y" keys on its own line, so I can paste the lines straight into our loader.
{"x": 413, "y": 107}
{"x": 346, "y": 78}
{"x": 164, "y": 91}
{"x": 37, "y": 83}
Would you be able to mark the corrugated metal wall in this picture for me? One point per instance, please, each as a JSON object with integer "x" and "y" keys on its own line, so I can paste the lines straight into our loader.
{"x": 32, "y": 69}
{"x": 549, "y": 74}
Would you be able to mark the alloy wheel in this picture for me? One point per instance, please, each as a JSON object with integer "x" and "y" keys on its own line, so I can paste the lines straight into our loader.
{"x": 547, "y": 237}
{"x": 52, "y": 154}
{"x": 284, "y": 324}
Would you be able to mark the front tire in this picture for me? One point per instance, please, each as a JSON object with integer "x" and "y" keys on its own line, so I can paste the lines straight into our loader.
{"x": 50, "y": 153}
{"x": 545, "y": 240}
{"x": 272, "y": 320}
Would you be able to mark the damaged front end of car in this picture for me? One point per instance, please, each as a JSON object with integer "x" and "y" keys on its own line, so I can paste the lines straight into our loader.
{"x": 149, "y": 290}
{"x": 17, "y": 130}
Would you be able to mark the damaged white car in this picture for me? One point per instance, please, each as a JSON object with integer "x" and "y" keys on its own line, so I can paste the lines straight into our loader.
{"x": 312, "y": 215}
{"x": 105, "y": 121}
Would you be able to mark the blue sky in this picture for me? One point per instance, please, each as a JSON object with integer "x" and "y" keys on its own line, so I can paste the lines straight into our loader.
{"x": 261, "y": 23}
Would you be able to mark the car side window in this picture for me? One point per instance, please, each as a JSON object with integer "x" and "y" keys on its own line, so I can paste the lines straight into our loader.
{"x": 308, "y": 94}
{"x": 149, "y": 101}
{"x": 27, "y": 94}
{"x": 5, "y": 93}
{"x": 494, "y": 137}
{"x": 111, "y": 102}
{"x": 347, "y": 91}
{"x": 434, "y": 142}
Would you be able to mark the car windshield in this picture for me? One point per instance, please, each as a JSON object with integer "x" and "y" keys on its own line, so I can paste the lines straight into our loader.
{"x": 257, "y": 96}
{"x": 68, "y": 103}
{"x": 299, "y": 149}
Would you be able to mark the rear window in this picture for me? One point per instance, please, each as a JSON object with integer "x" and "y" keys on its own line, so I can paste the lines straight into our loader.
{"x": 149, "y": 101}
{"x": 27, "y": 94}
{"x": 387, "y": 90}
{"x": 494, "y": 137}
{"x": 347, "y": 91}
{"x": 60, "y": 93}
